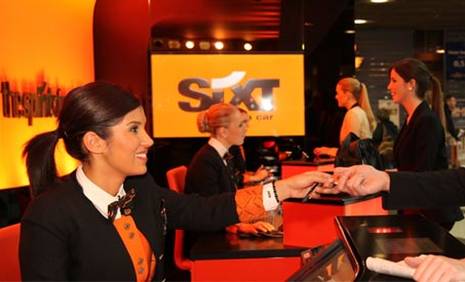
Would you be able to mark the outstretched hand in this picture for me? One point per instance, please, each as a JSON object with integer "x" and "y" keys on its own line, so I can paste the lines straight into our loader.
{"x": 357, "y": 180}
{"x": 298, "y": 185}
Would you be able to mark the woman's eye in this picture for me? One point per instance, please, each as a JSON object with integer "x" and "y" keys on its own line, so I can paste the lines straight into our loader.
{"x": 134, "y": 129}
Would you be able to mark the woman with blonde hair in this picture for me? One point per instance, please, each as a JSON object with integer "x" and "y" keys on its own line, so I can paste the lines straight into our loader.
{"x": 211, "y": 171}
{"x": 359, "y": 119}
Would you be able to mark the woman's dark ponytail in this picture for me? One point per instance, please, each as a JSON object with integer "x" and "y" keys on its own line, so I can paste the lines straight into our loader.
{"x": 39, "y": 153}
{"x": 437, "y": 100}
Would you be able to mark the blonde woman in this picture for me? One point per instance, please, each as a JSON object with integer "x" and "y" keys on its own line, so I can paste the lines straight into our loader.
{"x": 359, "y": 119}
{"x": 211, "y": 171}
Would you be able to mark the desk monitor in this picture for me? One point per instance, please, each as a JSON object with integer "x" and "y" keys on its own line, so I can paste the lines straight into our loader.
{"x": 331, "y": 264}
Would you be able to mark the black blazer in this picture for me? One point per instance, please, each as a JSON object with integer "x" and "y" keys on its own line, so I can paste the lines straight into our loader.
{"x": 208, "y": 175}
{"x": 434, "y": 189}
{"x": 421, "y": 145}
{"x": 63, "y": 236}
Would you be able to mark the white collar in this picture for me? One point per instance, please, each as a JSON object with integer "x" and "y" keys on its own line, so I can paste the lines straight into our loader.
{"x": 99, "y": 197}
{"x": 218, "y": 146}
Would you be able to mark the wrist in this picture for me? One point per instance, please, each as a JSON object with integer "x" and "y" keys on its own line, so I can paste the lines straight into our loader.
{"x": 281, "y": 190}
{"x": 387, "y": 182}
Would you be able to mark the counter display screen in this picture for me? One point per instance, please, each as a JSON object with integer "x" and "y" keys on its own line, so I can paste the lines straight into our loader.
{"x": 414, "y": 245}
{"x": 332, "y": 265}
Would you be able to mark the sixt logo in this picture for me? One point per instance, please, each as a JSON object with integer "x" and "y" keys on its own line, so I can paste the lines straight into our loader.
{"x": 241, "y": 93}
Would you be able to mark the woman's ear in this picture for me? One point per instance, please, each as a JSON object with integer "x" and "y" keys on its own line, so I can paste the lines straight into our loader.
{"x": 411, "y": 84}
{"x": 221, "y": 132}
{"x": 94, "y": 143}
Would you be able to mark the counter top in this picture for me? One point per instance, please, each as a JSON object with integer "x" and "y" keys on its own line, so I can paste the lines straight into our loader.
{"x": 220, "y": 245}
{"x": 338, "y": 199}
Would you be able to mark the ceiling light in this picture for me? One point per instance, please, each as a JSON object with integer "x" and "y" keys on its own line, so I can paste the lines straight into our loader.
{"x": 360, "y": 21}
{"x": 189, "y": 44}
{"x": 379, "y": 1}
{"x": 350, "y": 31}
{"x": 440, "y": 51}
{"x": 219, "y": 45}
{"x": 248, "y": 46}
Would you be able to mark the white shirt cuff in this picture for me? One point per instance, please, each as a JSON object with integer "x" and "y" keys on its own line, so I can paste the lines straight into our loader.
{"x": 269, "y": 200}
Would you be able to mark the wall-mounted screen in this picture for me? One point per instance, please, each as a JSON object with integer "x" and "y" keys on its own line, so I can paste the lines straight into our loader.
{"x": 269, "y": 86}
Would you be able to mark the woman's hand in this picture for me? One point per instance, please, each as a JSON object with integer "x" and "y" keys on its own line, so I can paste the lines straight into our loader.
{"x": 319, "y": 151}
{"x": 298, "y": 185}
{"x": 437, "y": 268}
{"x": 261, "y": 173}
{"x": 357, "y": 180}
{"x": 251, "y": 228}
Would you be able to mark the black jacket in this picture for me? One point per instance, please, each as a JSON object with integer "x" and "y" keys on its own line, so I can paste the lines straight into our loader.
{"x": 208, "y": 175}
{"x": 421, "y": 146}
{"x": 433, "y": 189}
{"x": 64, "y": 237}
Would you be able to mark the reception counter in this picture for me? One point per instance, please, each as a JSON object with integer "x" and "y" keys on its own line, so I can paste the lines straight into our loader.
{"x": 228, "y": 257}
{"x": 311, "y": 224}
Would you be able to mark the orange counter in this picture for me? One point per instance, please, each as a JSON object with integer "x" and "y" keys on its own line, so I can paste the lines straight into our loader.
{"x": 228, "y": 257}
{"x": 311, "y": 224}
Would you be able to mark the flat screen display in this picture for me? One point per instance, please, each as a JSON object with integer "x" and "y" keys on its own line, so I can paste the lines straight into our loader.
{"x": 333, "y": 264}
{"x": 413, "y": 245}
{"x": 270, "y": 87}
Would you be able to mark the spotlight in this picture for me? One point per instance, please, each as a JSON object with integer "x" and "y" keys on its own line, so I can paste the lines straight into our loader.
{"x": 219, "y": 45}
{"x": 189, "y": 44}
{"x": 360, "y": 21}
{"x": 247, "y": 46}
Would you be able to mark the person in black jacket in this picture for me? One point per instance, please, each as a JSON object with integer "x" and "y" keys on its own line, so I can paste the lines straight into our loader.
{"x": 420, "y": 145}
{"x": 212, "y": 170}
{"x": 107, "y": 220}
{"x": 400, "y": 190}
{"x": 449, "y": 106}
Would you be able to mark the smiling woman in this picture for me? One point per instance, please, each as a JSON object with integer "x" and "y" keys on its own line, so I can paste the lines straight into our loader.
{"x": 107, "y": 220}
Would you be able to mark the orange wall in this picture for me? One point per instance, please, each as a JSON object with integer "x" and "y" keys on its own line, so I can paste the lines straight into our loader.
{"x": 40, "y": 40}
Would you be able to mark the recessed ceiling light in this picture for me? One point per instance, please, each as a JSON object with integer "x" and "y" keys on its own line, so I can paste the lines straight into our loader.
{"x": 360, "y": 21}
{"x": 248, "y": 46}
{"x": 379, "y": 1}
{"x": 219, "y": 45}
{"x": 350, "y": 31}
{"x": 190, "y": 44}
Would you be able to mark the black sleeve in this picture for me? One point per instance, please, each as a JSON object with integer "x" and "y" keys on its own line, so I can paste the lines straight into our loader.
{"x": 378, "y": 134}
{"x": 428, "y": 138}
{"x": 43, "y": 248}
{"x": 203, "y": 177}
{"x": 426, "y": 189}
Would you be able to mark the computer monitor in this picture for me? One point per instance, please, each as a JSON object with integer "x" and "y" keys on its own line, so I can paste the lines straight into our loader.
{"x": 331, "y": 264}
